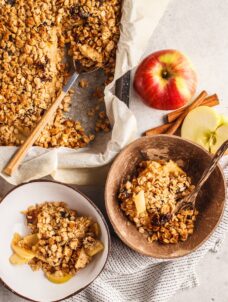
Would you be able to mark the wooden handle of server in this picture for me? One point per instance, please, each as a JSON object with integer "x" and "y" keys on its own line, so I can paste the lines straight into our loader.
{"x": 17, "y": 158}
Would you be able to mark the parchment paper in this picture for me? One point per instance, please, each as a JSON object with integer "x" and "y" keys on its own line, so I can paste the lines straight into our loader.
{"x": 89, "y": 165}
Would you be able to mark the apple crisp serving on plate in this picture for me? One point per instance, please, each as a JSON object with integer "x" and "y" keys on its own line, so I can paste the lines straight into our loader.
{"x": 34, "y": 36}
{"x": 149, "y": 197}
{"x": 61, "y": 242}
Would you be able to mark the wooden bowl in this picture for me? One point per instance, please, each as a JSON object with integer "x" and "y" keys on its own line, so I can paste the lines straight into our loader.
{"x": 193, "y": 159}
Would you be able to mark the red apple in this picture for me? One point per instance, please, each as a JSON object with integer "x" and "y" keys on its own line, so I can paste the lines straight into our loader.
{"x": 165, "y": 80}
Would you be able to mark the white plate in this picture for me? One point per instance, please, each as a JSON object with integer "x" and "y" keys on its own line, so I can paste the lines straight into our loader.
{"x": 21, "y": 279}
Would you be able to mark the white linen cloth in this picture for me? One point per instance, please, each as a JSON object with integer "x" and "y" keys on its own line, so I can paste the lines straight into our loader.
{"x": 130, "y": 277}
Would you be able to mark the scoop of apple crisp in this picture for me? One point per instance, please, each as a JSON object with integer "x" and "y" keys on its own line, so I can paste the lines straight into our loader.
{"x": 61, "y": 242}
{"x": 149, "y": 197}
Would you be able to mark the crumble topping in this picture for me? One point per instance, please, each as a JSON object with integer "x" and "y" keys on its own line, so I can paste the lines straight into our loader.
{"x": 60, "y": 243}
{"x": 149, "y": 197}
{"x": 33, "y": 37}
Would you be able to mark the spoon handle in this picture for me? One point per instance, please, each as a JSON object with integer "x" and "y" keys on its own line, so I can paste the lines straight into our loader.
{"x": 17, "y": 158}
{"x": 191, "y": 198}
{"x": 220, "y": 152}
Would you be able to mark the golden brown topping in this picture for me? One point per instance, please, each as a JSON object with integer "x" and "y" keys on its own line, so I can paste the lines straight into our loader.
{"x": 61, "y": 241}
{"x": 149, "y": 198}
{"x": 33, "y": 35}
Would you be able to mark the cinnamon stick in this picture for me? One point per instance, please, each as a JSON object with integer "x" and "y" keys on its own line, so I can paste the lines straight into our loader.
{"x": 158, "y": 130}
{"x": 198, "y": 101}
{"x": 209, "y": 101}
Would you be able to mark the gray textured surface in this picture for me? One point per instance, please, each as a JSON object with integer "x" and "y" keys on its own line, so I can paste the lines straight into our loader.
{"x": 200, "y": 29}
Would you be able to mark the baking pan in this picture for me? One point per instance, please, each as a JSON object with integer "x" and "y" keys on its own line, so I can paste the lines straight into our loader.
{"x": 122, "y": 89}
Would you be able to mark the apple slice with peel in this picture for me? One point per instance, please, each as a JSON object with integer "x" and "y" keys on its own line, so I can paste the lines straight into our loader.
{"x": 221, "y": 135}
{"x": 200, "y": 126}
{"x": 58, "y": 279}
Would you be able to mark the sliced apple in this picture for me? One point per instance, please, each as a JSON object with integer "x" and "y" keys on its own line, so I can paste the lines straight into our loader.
{"x": 82, "y": 260}
{"x": 95, "y": 249}
{"x": 172, "y": 167}
{"x": 224, "y": 120}
{"x": 30, "y": 240}
{"x": 17, "y": 260}
{"x": 58, "y": 279}
{"x": 200, "y": 125}
{"x": 221, "y": 135}
{"x": 95, "y": 228}
{"x": 20, "y": 251}
{"x": 140, "y": 202}
{"x": 16, "y": 238}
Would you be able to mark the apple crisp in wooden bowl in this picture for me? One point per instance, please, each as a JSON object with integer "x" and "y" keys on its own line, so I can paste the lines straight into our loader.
{"x": 144, "y": 185}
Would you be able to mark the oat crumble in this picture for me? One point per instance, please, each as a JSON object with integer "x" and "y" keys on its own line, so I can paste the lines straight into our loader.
{"x": 33, "y": 36}
{"x": 61, "y": 241}
{"x": 149, "y": 197}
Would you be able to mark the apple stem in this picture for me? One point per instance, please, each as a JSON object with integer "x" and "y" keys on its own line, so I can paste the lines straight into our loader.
{"x": 165, "y": 74}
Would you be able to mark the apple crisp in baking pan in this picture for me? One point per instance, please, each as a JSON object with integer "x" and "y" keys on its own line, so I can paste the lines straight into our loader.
{"x": 34, "y": 36}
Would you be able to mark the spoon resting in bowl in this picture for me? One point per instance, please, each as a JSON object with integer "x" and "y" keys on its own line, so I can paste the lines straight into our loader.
{"x": 190, "y": 200}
